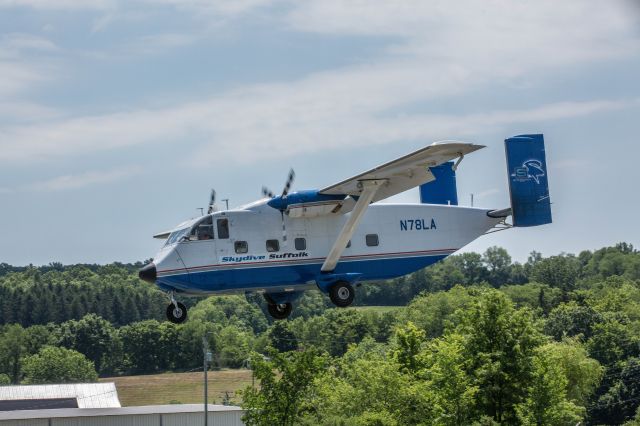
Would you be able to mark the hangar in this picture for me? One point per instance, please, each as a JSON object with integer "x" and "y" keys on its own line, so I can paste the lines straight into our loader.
{"x": 151, "y": 415}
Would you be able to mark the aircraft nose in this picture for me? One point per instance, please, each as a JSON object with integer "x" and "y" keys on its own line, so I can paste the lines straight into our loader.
{"x": 148, "y": 273}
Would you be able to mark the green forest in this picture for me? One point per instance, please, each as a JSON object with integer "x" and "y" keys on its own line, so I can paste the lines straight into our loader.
{"x": 475, "y": 339}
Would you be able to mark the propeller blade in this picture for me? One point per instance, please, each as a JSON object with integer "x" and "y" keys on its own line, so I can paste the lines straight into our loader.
{"x": 287, "y": 185}
{"x": 212, "y": 202}
{"x": 267, "y": 192}
{"x": 284, "y": 229}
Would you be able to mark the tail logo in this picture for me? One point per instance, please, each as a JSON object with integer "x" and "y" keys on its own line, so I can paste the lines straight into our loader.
{"x": 530, "y": 170}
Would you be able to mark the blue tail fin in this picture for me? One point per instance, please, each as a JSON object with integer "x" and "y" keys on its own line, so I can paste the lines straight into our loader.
{"x": 528, "y": 186}
{"x": 442, "y": 190}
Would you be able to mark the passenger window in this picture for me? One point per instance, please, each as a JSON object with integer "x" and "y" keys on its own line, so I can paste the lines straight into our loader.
{"x": 273, "y": 245}
{"x": 241, "y": 247}
{"x": 300, "y": 243}
{"x": 223, "y": 228}
{"x": 372, "y": 240}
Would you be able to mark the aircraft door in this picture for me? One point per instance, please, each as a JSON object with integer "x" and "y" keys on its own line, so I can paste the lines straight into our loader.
{"x": 199, "y": 249}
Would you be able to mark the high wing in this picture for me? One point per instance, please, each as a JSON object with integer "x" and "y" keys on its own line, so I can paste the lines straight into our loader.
{"x": 386, "y": 180}
{"x": 405, "y": 172}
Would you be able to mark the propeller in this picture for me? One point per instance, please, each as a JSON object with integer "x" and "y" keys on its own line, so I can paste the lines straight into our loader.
{"x": 285, "y": 191}
{"x": 267, "y": 192}
{"x": 212, "y": 202}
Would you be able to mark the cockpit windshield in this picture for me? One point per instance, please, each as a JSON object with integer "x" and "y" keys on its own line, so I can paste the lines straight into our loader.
{"x": 176, "y": 236}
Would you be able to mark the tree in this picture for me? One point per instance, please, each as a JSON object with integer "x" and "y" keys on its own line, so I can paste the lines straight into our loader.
{"x": 621, "y": 393}
{"x": 12, "y": 349}
{"x": 58, "y": 365}
{"x": 471, "y": 266}
{"x": 409, "y": 340}
{"x": 498, "y": 263}
{"x": 546, "y": 402}
{"x": 447, "y": 378}
{"x": 4, "y": 379}
{"x": 367, "y": 387}
{"x": 557, "y": 271}
{"x": 281, "y": 337}
{"x": 500, "y": 342}
{"x": 431, "y": 312}
{"x": 583, "y": 374}
{"x": 142, "y": 343}
{"x": 95, "y": 338}
{"x": 571, "y": 319}
{"x": 234, "y": 346}
{"x": 284, "y": 382}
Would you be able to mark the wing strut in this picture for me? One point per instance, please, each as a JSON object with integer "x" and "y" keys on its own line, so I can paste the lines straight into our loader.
{"x": 369, "y": 189}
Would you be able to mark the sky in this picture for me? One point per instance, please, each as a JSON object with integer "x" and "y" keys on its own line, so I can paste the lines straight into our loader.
{"x": 118, "y": 117}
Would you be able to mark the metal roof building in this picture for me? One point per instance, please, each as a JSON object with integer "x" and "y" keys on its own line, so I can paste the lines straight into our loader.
{"x": 151, "y": 415}
{"x": 78, "y": 395}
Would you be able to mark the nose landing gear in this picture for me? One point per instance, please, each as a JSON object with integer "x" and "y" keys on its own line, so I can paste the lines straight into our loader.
{"x": 176, "y": 311}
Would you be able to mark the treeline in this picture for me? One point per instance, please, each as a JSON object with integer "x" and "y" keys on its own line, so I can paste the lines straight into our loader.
{"x": 54, "y": 294}
{"x": 495, "y": 268}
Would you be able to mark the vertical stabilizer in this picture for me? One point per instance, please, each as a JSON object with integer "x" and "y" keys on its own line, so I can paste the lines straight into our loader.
{"x": 528, "y": 185}
{"x": 443, "y": 190}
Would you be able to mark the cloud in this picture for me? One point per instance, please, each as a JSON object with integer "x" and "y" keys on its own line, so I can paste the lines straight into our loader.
{"x": 504, "y": 36}
{"x": 434, "y": 51}
{"x": 58, "y": 4}
{"x": 24, "y": 111}
{"x": 83, "y": 180}
{"x": 16, "y": 42}
{"x": 151, "y": 44}
{"x": 250, "y": 129}
{"x": 23, "y": 63}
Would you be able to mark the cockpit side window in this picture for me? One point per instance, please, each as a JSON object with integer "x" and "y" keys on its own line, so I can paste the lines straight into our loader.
{"x": 223, "y": 228}
{"x": 203, "y": 230}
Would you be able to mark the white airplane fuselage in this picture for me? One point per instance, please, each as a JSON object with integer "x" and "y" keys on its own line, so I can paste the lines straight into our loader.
{"x": 409, "y": 237}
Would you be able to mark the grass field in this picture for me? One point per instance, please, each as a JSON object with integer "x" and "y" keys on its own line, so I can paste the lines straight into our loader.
{"x": 174, "y": 388}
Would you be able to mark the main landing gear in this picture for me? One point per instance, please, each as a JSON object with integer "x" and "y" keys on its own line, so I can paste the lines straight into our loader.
{"x": 342, "y": 294}
{"x": 176, "y": 311}
{"x": 279, "y": 305}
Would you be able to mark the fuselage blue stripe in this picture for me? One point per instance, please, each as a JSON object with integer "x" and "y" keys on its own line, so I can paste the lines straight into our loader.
{"x": 291, "y": 275}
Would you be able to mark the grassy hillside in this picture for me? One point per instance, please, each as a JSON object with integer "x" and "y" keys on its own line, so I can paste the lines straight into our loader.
{"x": 174, "y": 388}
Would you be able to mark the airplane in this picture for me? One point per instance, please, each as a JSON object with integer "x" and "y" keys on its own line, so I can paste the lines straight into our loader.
{"x": 336, "y": 237}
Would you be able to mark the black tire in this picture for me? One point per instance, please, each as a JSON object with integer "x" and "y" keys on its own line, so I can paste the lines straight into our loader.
{"x": 280, "y": 311}
{"x": 177, "y": 316}
{"x": 342, "y": 294}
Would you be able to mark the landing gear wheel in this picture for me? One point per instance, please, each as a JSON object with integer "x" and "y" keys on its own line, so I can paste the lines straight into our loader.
{"x": 279, "y": 311}
{"x": 176, "y": 314}
{"x": 342, "y": 294}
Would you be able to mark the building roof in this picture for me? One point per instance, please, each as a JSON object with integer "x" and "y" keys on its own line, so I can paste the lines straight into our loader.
{"x": 88, "y": 395}
{"x": 121, "y": 411}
